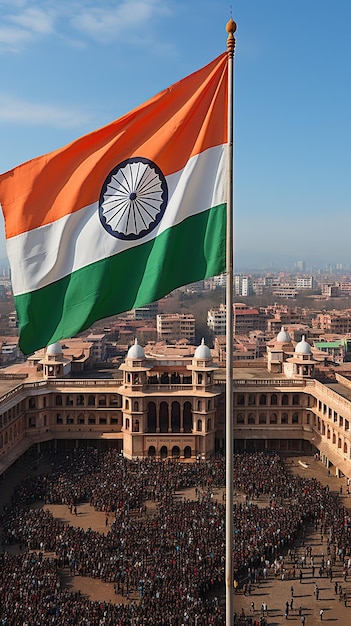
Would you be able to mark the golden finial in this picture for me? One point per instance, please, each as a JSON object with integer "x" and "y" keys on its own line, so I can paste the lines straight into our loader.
{"x": 230, "y": 28}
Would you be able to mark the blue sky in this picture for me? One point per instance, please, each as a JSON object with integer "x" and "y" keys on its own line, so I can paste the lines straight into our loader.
{"x": 70, "y": 66}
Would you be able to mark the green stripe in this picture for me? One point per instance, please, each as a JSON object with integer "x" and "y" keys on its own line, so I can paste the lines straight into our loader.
{"x": 186, "y": 253}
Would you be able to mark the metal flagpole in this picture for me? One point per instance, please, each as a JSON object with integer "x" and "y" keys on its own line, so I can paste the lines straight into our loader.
{"x": 230, "y": 28}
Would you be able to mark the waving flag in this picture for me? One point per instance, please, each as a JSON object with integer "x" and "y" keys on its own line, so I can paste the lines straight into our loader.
{"x": 122, "y": 216}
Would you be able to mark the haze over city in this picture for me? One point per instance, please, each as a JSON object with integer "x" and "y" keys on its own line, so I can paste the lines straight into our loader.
{"x": 70, "y": 68}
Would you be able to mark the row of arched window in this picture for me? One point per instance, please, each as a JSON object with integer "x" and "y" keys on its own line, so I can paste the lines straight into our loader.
{"x": 113, "y": 400}
{"x": 264, "y": 418}
{"x": 267, "y": 399}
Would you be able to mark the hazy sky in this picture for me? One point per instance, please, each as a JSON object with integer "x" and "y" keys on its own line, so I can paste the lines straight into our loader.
{"x": 70, "y": 66}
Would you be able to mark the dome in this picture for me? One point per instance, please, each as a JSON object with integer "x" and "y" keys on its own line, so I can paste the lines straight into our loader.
{"x": 54, "y": 349}
{"x": 202, "y": 351}
{"x": 303, "y": 347}
{"x": 283, "y": 336}
{"x": 136, "y": 351}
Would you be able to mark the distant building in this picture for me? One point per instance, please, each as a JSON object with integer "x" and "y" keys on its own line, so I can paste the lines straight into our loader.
{"x": 146, "y": 312}
{"x": 242, "y": 286}
{"x": 175, "y": 326}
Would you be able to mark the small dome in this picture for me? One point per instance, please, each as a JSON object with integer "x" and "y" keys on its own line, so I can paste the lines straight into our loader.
{"x": 54, "y": 349}
{"x": 202, "y": 351}
{"x": 303, "y": 347}
{"x": 283, "y": 336}
{"x": 136, "y": 351}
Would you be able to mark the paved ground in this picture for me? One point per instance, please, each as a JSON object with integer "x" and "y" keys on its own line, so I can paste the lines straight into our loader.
{"x": 274, "y": 592}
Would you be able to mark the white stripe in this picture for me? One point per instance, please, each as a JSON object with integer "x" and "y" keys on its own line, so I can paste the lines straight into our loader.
{"x": 46, "y": 254}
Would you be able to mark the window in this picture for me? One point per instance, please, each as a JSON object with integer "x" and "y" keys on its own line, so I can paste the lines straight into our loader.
{"x": 263, "y": 399}
{"x": 274, "y": 399}
{"x": 295, "y": 418}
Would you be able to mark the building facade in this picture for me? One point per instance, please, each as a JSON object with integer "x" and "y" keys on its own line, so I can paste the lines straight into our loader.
{"x": 174, "y": 406}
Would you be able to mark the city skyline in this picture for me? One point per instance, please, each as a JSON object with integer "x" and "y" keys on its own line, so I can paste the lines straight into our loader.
{"x": 69, "y": 69}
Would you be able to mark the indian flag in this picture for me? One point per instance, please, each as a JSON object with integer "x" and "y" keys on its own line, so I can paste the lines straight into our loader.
{"x": 122, "y": 216}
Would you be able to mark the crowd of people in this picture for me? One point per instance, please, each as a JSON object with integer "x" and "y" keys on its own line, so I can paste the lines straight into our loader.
{"x": 167, "y": 567}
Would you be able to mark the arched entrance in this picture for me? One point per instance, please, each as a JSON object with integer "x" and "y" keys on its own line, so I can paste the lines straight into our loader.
{"x": 151, "y": 451}
{"x": 175, "y": 452}
{"x": 187, "y": 452}
{"x": 164, "y": 452}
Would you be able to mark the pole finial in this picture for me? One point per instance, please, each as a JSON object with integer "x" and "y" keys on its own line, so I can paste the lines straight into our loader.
{"x": 231, "y": 28}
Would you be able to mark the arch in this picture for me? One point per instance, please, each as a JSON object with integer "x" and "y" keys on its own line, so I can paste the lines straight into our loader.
{"x": 199, "y": 405}
{"x": 295, "y": 418}
{"x": 199, "y": 425}
{"x": 151, "y": 451}
{"x": 136, "y": 426}
{"x": 209, "y": 405}
{"x": 136, "y": 405}
{"x": 285, "y": 418}
{"x": 199, "y": 378}
{"x": 328, "y": 433}
{"x": 262, "y": 418}
{"x": 115, "y": 400}
{"x": 241, "y": 399}
{"x": 334, "y": 438}
{"x": 127, "y": 423}
{"x": 164, "y": 452}
{"x": 296, "y": 399}
{"x": 187, "y": 417}
{"x": 31, "y": 421}
{"x": 80, "y": 400}
{"x": 274, "y": 399}
{"x": 240, "y": 418}
{"x": 151, "y": 417}
{"x": 252, "y": 399}
{"x": 91, "y": 400}
{"x": 339, "y": 442}
{"x": 175, "y": 452}
{"x": 273, "y": 418}
{"x": 285, "y": 399}
{"x": 251, "y": 418}
{"x": 81, "y": 418}
{"x": 187, "y": 452}
{"x": 69, "y": 400}
{"x": 345, "y": 447}
{"x": 58, "y": 400}
{"x": 263, "y": 399}
{"x": 163, "y": 417}
{"x": 102, "y": 400}
{"x": 31, "y": 403}
{"x": 209, "y": 424}
{"x": 175, "y": 417}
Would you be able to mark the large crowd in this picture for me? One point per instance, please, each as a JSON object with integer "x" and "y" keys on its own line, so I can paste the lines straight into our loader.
{"x": 168, "y": 565}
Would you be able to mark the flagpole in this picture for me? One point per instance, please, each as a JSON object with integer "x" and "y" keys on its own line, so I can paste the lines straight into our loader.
{"x": 230, "y": 28}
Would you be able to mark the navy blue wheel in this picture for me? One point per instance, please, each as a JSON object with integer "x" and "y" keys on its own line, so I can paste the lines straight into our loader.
{"x": 133, "y": 199}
